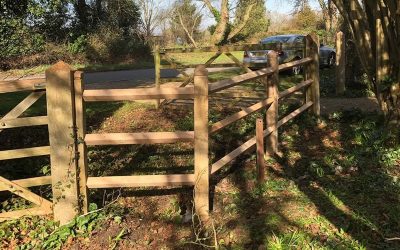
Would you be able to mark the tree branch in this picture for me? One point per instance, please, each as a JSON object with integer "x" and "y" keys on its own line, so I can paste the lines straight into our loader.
{"x": 239, "y": 27}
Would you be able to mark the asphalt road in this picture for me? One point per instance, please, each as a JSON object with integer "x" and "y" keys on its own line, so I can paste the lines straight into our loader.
{"x": 132, "y": 78}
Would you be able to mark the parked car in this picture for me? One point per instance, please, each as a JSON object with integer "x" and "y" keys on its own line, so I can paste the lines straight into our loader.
{"x": 290, "y": 48}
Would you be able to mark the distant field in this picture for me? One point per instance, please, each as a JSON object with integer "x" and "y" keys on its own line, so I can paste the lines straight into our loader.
{"x": 202, "y": 57}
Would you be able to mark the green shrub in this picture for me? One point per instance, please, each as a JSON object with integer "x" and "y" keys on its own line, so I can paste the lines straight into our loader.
{"x": 110, "y": 45}
{"x": 78, "y": 45}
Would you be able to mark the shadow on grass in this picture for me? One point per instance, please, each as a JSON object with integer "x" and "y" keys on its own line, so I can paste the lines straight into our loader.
{"x": 341, "y": 173}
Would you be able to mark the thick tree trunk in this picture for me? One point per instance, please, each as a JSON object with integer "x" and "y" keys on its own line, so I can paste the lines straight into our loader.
{"x": 239, "y": 26}
{"x": 375, "y": 27}
{"x": 222, "y": 25}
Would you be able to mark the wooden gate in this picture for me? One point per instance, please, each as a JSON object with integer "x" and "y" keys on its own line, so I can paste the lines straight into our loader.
{"x": 12, "y": 120}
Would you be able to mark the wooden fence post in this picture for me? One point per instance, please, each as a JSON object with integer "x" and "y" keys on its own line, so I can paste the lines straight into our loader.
{"x": 201, "y": 161}
{"x": 260, "y": 151}
{"x": 312, "y": 72}
{"x": 157, "y": 67}
{"x": 271, "y": 141}
{"x": 340, "y": 63}
{"x": 60, "y": 112}
{"x": 82, "y": 164}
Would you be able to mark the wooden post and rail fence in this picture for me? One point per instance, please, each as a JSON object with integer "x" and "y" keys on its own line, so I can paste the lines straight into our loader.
{"x": 66, "y": 118}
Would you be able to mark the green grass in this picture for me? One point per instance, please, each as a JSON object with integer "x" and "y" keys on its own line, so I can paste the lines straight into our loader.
{"x": 202, "y": 57}
{"x": 334, "y": 187}
{"x": 88, "y": 67}
{"x": 10, "y": 100}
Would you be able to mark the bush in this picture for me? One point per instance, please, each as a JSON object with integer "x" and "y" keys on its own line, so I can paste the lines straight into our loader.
{"x": 110, "y": 46}
{"x": 78, "y": 46}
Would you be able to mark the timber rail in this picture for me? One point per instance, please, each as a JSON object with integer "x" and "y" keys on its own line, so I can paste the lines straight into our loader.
{"x": 66, "y": 116}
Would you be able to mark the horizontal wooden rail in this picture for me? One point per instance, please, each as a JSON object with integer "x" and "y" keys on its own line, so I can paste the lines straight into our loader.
{"x": 245, "y": 147}
{"x": 141, "y": 181}
{"x": 139, "y": 138}
{"x": 22, "y": 85}
{"x": 293, "y": 89}
{"x": 25, "y": 193}
{"x": 289, "y": 65}
{"x": 23, "y": 122}
{"x": 102, "y": 95}
{"x": 31, "y": 182}
{"x": 38, "y": 211}
{"x": 214, "y": 65}
{"x": 23, "y": 153}
{"x": 236, "y": 80}
{"x": 231, "y": 48}
{"x": 250, "y": 144}
{"x": 294, "y": 114}
{"x": 185, "y": 66}
{"x": 240, "y": 115}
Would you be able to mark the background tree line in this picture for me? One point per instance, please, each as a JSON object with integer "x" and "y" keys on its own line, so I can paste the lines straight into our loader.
{"x": 38, "y": 31}
{"x": 120, "y": 31}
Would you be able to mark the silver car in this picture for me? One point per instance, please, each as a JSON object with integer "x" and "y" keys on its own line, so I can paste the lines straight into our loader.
{"x": 289, "y": 48}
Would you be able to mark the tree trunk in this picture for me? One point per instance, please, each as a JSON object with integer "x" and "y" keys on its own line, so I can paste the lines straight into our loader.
{"x": 375, "y": 27}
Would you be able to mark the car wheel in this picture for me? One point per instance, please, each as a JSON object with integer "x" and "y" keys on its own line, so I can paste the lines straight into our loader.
{"x": 331, "y": 60}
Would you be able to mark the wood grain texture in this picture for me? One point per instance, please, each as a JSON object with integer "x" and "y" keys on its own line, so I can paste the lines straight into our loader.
{"x": 31, "y": 182}
{"x": 201, "y": 144}
{"x": 227, "y": 48}
{"x": 312, "y": 73}
{"x": 240, "y": 115}
{"x": 24, "y": 105}
{"x": 260, "y": 151}
{"x": 236, "y": 80}
{"x": 294, "y": 113}
{"x": 23, "y": 122}
{"x": 24, "y": 153}
{"x": 141, "y": 181}
{"x": 36, "y": 211}
{"x": 25, "y": 193}
{"x": 80, "y": 145}
{"x": 271, "y": 142}
{"x": 60, "y": 111}
{"x": 139, "y": 138}
{"x": 157, "y": 72}
{"x": 22, "y": 85}
{"x": 102, "y": 95}
{"x": 293, "y": 89}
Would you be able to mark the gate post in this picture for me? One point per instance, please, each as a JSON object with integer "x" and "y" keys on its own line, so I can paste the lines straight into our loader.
{"x": 157, "y": 67}
{"x": 312, "y": 72}
{"x": 201, "y": 161}
{"x": 271, "y": 142}
{"x": 60, "y": 112}
{"x": 82, "y": 158}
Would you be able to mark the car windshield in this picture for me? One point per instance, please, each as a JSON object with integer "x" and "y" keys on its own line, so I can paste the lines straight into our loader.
{"x": 275, "y": 39}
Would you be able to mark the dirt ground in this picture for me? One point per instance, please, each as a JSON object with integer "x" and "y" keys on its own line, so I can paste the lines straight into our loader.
{"x": 365, "y": 104}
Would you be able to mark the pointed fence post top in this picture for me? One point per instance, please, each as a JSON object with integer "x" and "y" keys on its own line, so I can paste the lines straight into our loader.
{"x": 78, "y": 74}
{"x": 60, "y": 66}
{"x": 200, "y": 70}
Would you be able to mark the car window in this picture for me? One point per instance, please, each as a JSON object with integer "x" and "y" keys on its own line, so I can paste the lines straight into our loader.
{"x": 299, "y": 39}
{"x": 275, "y": 39}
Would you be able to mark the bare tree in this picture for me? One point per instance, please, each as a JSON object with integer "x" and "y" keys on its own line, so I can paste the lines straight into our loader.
{"x": 186, "y": 15}
{"x": 152, "y": 16}
{"x": 224, "y": 31}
